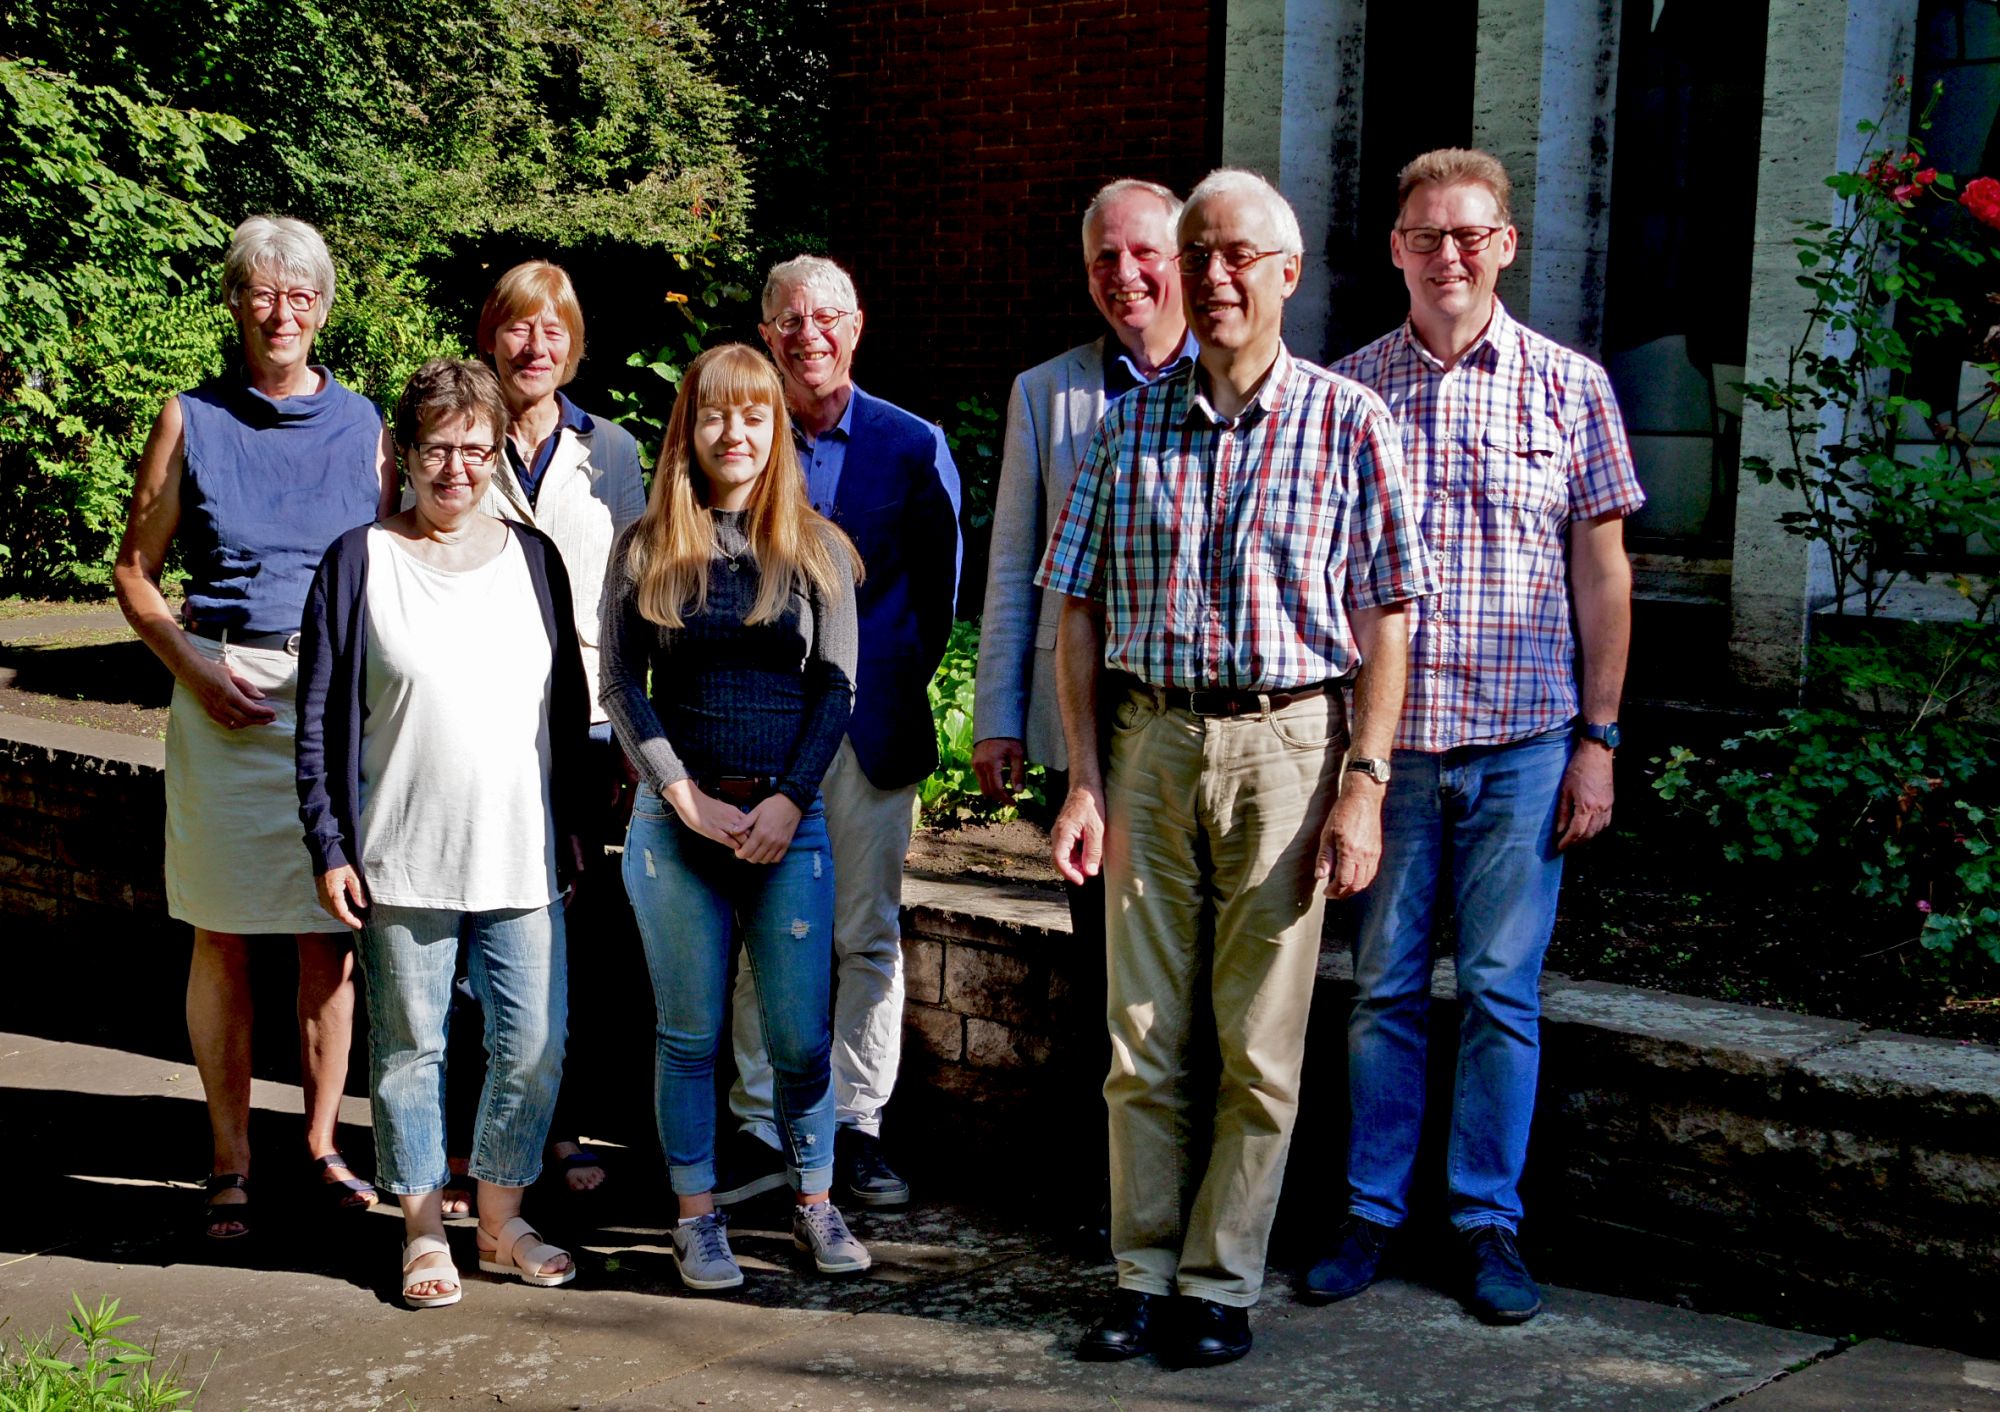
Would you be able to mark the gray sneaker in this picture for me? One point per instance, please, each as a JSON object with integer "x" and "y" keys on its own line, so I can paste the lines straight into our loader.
{"x": 819, "y": 1230}
{"x": 701, "y": 1253}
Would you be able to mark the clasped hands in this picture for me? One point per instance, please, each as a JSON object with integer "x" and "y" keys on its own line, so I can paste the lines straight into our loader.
{"x": 760, "y": 835}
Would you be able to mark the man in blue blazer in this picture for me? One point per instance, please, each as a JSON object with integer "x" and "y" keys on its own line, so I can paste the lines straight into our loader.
{"x": 1129, "y": 245}
{"x": 887, "y": 478}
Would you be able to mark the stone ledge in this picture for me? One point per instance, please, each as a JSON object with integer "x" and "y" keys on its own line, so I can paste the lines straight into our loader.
{"x": 26, "y": 740}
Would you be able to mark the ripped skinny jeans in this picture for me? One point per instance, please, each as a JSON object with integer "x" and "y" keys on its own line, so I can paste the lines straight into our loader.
{"x": 695, "y": 901}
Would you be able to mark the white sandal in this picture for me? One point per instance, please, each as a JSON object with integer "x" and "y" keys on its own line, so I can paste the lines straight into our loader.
{"x": 435, "y": 1274}
{"x": 514, "y": 1255}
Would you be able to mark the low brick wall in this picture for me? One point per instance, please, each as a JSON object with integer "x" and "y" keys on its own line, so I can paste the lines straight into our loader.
{"x": 80, "y": 828}
{"x": 1752, "y": 1161}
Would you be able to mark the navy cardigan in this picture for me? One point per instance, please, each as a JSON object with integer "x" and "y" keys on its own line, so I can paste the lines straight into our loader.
{"x": 333, "y": 653}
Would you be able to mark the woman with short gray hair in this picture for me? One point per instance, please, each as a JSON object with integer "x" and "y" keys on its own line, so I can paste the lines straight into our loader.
{"x": 255, "y": 473}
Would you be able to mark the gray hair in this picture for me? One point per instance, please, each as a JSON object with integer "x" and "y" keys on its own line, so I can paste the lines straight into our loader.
{"x": 1124, "y": 186}
{"x": 276, "y": 245}
{"x": 808, "y": 272}
{"x": 1236, "y": 181}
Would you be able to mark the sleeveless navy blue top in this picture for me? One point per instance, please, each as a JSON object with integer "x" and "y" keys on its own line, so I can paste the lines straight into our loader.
{"x": 269, "y": 484}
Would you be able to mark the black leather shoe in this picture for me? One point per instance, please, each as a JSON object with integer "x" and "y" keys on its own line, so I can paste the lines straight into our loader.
{"x": 1208, "y": 1333}
{"x": 1502, "y": 1290}
{"x": 1125, "y": 1331}
{"x": 1351, "y": 1267}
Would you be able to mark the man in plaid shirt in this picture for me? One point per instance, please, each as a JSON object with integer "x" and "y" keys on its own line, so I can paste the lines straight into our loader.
{"x": 1239, "y": 543}
{"x": 1522, "y": 477}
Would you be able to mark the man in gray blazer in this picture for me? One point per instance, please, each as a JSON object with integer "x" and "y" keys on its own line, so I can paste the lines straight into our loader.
{"x": 1129, "y": 247}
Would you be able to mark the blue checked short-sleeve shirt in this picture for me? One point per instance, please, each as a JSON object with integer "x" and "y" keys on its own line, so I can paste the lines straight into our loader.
{"x": 1229, "y": 553}
{"x": 1519, "y": 440}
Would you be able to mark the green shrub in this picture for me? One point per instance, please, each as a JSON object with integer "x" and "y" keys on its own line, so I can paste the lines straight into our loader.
{"x": 1884, "y": 782}
{"x": 951, "y": 795}
{"x": 104, "y": 311}
{"x": 88, "y": 1370}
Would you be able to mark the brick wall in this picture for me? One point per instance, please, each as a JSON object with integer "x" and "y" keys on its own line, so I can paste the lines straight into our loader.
{"x": 978, "y": 130}
{"x": 80, "y": 830}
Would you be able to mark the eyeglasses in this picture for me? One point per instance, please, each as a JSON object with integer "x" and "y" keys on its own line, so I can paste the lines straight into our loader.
{"x": 263, "y": 301}
{"x": 825, "y": 320}
{"x": 1425, "y": 240}
{"x": 1195, "y": 259}
{"x": 436, "y": 455}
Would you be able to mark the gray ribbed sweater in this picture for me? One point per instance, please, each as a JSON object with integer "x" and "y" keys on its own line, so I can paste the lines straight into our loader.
{"x": 728, "y": 699}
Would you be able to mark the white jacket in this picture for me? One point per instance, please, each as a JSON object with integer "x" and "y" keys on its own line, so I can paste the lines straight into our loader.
{"x": 591, "y": 491}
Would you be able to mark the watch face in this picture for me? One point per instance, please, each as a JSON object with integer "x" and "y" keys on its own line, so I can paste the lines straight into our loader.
{"x": 1609, "y": 736}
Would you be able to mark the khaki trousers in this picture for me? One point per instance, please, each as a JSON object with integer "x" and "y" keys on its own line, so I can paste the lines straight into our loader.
{"x": 1211, "y": 838}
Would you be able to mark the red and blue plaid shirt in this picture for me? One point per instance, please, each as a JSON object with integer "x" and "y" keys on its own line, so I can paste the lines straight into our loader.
{"x": 1229, "y": 552}
{"x": 1519, "y": 440}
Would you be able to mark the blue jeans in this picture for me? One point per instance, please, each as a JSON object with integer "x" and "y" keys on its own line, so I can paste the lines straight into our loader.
{"x": 517, "y": 963}
{"x": 1479, "y": 820}
{"x": 694, "y": 900}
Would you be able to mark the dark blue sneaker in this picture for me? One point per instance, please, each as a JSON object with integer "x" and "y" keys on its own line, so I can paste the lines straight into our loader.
{"x": 1502, "y": 1290}
{"x": 1353, "y": 1264}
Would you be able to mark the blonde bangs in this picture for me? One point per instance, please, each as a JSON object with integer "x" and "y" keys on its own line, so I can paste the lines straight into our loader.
{"x": 795, "y": 550}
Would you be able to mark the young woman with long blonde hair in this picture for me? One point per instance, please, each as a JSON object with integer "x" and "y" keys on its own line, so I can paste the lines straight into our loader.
{"x": 738, "y": 600}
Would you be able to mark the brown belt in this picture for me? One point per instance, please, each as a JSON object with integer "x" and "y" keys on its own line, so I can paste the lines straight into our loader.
{"x": 741, "y": 790}
{"x": 1219, "y": 701}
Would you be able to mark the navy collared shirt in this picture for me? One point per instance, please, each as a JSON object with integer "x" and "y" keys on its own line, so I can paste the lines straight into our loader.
{"x": 568, "y": 415}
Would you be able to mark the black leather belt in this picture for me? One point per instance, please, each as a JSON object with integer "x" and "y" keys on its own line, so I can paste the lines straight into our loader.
{"x": 1219, "y": 701}
{"x": 744, "y": 791}
{"x": 276, "y": 641}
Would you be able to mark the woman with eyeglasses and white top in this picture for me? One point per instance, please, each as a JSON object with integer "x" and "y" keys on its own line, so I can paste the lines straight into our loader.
{"x": 253, "y": 473}
{"x": 442, "y": 721}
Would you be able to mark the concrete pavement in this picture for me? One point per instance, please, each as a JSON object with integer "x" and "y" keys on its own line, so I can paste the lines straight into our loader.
{"x": 968, "y": 1306}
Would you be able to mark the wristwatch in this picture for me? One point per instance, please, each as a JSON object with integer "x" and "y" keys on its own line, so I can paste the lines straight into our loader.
{"x": 1376, "y": 770}
{"x": 1607, "y": 735}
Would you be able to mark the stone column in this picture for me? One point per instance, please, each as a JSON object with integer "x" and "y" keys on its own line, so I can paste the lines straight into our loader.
{"x": 1544, "y": 97}
{"x": 1827, "y": 68}
{"x": 1291, "y": 109}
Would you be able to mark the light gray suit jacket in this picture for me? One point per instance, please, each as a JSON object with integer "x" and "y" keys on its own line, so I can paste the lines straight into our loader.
{"x": 1052, "y": 414}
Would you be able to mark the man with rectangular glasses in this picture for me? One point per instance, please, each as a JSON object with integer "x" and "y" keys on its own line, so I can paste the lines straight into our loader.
{"x": 1238, "y": 545}
{"x": 886, "y": 477}
{"x": 1522, "y": 478}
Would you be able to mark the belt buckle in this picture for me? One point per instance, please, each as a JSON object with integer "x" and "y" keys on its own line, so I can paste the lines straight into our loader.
{"x": 292, "y": 644}
{"x": 1227, "y": 707}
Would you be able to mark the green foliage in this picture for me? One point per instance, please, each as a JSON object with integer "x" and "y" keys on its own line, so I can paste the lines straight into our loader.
{"x": 644, "y": 411}
{"x": 418, "y": 125}
{"x": 88, "y": 1369}
{"x": 1878, "y": 508}
{"x": 1883, "y": 784}
{"x": 421, "y": 138}
{"x": 951, "y": 795}
{"x": 975, "y": 442}
{"x": 103, "y": 309}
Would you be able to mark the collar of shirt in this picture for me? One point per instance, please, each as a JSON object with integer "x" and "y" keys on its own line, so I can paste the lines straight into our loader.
{"x": 1270, "y": 396}
{"x": 1122, "y": 375}
{"x": 822, "y": 456}
{"x": 1494, "y": 350}
{"x": 568, "y": 414}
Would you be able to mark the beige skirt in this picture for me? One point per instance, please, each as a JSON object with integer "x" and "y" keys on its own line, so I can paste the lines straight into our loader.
{"x": 236, "y": 853}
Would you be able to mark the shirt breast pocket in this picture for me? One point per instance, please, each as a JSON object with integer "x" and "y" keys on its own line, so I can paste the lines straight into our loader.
{"x": 1521, "y": 466}
{"x": 1299, "y": 546}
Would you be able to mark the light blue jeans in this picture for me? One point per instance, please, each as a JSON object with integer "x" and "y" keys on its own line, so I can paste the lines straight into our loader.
{"x": 519, "y": 971}
{"x": 1477, "y": 825}
{"x": 694, "y": 901}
